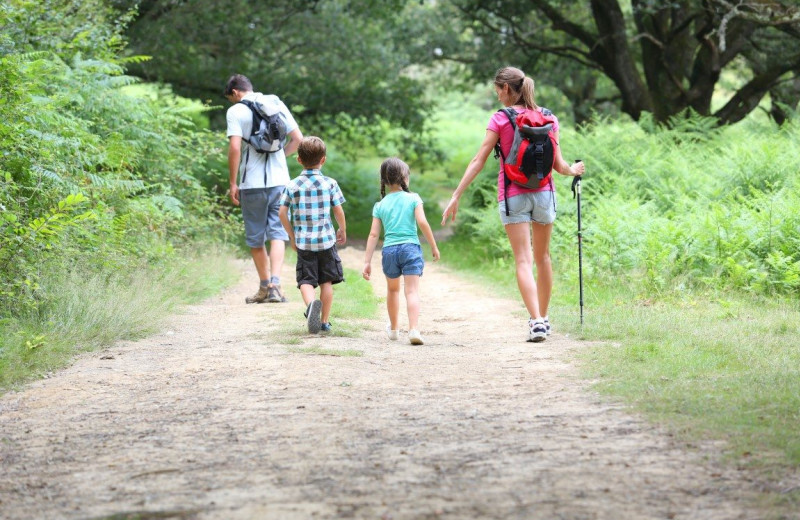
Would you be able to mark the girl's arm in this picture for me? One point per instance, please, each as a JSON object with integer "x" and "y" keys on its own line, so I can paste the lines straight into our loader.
{"x": 372, "y": 242}
{"x": 473, "y": 169}
{"x": 561, "y": 166}
{"x": 422, "y": 222}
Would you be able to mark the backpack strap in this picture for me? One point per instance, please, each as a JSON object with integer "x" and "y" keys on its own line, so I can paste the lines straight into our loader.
{"x": 511, "y": 114}
{"x": 254, "y": 128}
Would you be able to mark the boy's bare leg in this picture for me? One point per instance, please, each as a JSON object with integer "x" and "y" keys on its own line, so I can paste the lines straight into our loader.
{"x": 308, "y": 293}
{"x": 326, "y": 296}
{"x": 412, "y": 299}
{"x": 393, "y": 301}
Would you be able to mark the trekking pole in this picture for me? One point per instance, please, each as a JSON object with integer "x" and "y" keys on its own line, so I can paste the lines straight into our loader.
{"x": 576, "y": 193}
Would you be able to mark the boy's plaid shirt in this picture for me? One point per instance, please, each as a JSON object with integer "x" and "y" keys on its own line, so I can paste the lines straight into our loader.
{"x": 310, "y": 197}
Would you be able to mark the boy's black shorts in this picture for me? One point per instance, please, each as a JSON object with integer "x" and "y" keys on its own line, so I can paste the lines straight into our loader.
{"x": 318, "y": 267}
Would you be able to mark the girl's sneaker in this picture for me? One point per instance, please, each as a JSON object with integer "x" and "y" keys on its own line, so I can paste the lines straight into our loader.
{"x": 547, "y": 325}
{"x": 537, "y": 331}
{"x": 414, "y": 337}
{"x": 393, "y": 335}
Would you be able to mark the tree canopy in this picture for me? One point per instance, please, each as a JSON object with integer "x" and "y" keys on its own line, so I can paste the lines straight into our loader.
{"x": 339, "y": 64}
{"x": 644, "y": 55}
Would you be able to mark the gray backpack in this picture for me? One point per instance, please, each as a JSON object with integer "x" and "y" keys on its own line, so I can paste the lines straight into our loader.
{"x": 269, "y": 128}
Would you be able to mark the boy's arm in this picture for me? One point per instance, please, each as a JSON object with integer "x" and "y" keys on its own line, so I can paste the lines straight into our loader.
{"x": 341, "y": 233}
{"x": 422, "y": 222}
{"x": 372, "y": 243}
{"x": 283, "y": 213}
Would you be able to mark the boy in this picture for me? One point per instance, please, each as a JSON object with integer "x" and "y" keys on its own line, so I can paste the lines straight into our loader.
{"x": 311, "y": 196}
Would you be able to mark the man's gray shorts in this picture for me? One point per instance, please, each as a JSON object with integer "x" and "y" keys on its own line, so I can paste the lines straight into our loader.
{"x": 536, "y": 206}
{"x": 260, "y": 211}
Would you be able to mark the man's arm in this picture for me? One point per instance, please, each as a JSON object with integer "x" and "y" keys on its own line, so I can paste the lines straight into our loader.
{"x": 234, "y": 156}
{"x": 295, "y": 136}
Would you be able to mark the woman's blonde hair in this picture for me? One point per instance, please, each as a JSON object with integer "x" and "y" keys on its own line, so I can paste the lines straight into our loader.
{"x": 518, "y": 83}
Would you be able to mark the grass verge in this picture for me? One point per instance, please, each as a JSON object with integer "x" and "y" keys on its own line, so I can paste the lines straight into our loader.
{"x": 86, "y": 311}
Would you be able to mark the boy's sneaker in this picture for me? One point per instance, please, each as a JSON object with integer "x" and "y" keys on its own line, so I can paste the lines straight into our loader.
{"x": 325, "y": 328}
{"x": 547, "y": 325}
{"x": 313, "y": 317}
{"x": 414, "y": 337}
{"x": 393, "y": 335}
{"x": 259, "y": 297}
{"x": 537, "y": 330}
{"x": 275, "y": 295}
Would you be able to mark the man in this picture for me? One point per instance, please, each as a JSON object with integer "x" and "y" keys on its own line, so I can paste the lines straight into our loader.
{"x": 257, "y": 181}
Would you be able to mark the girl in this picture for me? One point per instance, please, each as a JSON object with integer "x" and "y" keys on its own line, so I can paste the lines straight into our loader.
{"x": 400, "y": 212}
{"x": 530, "y": 212}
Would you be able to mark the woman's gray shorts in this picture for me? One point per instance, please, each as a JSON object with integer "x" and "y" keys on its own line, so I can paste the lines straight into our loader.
{"x": 537, "y": 206}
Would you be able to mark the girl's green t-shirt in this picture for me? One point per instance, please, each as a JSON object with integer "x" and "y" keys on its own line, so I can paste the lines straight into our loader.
{"x": 396, "y": 213}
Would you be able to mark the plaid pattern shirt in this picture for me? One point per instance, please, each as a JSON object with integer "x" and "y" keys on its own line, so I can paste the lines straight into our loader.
{"x": 310, "y": 197}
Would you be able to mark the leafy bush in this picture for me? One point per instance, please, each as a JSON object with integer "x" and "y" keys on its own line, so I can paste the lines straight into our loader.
{"x": 688, "y": 205}
{"x": 91, "y": 174}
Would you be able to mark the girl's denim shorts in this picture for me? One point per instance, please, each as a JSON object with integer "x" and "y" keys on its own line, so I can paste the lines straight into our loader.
{"x": 402, "y": 259}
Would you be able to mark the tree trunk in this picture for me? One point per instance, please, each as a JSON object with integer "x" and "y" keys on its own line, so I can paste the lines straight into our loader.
{"x": 617, "y": 60}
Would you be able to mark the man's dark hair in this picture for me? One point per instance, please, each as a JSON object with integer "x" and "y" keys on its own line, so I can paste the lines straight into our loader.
{"x": 238, "y": 82}
{"x": 311, "y": 151}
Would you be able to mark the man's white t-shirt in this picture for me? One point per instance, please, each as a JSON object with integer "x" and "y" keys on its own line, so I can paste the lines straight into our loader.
{"x": 252, "y": 166}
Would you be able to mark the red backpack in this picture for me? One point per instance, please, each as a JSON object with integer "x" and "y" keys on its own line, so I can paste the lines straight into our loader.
{"x": 530, "y": 160}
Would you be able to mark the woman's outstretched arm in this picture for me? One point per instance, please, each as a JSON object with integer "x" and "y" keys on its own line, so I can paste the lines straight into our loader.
{"x": 473, "y": 169}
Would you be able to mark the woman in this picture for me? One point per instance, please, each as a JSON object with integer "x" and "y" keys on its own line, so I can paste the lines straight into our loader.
{"x": 525, "y": 213}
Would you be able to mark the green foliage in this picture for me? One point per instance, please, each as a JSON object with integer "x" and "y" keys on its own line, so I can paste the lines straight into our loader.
{"x": 664, "y": 57}
{"x": 335, "y": 89}
{"x": 95, "y": 177}
{"x": 689, "y": 205}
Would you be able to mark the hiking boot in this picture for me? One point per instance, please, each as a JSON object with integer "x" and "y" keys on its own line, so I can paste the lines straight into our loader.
{"x": 547, "y": 325}
{"x": 325, "y": 328}
{"x": 275, "y": 295}
{"x": 537, "y": 330}
{"x": 259, "y": 297}
{"x": 313, "y": 317}
{"x": 393, "y": 335}
{"x": 414, "y": 337}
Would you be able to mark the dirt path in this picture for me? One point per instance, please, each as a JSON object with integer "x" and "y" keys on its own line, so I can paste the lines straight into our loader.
{"x": 214, "y": 419}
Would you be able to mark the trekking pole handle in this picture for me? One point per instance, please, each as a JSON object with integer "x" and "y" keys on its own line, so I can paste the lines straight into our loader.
{"x": 576, "y": 182}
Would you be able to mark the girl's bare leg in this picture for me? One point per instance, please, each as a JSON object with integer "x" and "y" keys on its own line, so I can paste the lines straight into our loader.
{"x": 393, "y": 301}
{"x": 412, "y": 299}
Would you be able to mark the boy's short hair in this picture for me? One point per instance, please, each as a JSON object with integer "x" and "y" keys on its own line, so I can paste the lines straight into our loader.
{"x": 238, "y": 82}
{"x": 311, "y": 151}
